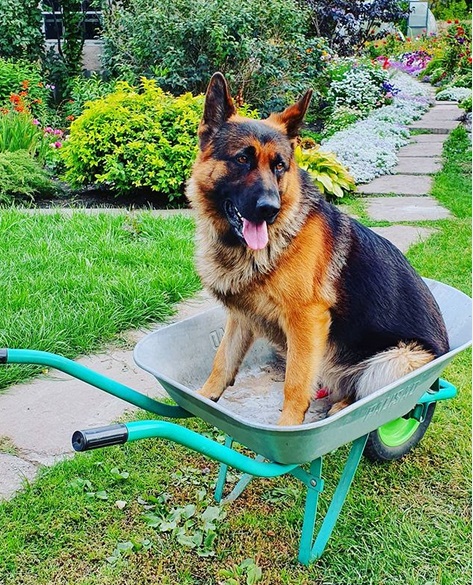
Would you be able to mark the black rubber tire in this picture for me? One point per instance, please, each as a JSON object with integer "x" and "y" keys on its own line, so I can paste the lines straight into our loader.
{"x": 378, "y": 452}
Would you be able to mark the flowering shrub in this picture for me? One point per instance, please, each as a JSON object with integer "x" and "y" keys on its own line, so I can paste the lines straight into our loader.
{"x": 368, "y": 147}
{"x": 132, "y": 138}
{"x": 362, "y": 86}
{"x": 21, "y": 86}
{"x": 453, "y": 61}
{"x": 412, "y": 62}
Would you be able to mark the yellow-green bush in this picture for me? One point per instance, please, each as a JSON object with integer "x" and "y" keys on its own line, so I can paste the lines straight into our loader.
{"x": 134, "y": 138}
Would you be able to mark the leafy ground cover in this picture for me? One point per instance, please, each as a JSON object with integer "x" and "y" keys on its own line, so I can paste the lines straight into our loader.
{"x": 144, "y": 514}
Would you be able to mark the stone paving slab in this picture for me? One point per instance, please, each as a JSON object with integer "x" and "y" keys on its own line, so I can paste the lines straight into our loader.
{"x": 404, "y": 236}
{"x": 429, "y": 138}
{"x": 398, "y": 184}
{"x": 417, "y": 166}
{"x": 395, "y": 209}
{"x": 442, "y": 127}
{"x": 432, "y": 149}
{"x": 14, "y": 473}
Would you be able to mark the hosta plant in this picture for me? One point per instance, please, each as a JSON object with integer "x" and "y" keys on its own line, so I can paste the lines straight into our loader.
{"x": 329, "y": 175}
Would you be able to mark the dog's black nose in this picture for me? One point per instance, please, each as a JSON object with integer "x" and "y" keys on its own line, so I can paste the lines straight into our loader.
{"x": 267, "y": 208}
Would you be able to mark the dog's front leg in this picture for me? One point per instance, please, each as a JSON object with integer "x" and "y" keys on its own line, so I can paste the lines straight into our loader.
{"x": 235, "y": 343}
{"x": 307, "y": 334}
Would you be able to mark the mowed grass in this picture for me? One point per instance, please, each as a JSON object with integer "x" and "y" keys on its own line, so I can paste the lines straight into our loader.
{"x": 70, "y": 284}
{"x": 404, "y": 523}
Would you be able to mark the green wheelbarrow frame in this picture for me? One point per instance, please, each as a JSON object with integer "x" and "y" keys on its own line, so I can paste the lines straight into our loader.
{"x": 309, "y": 549}
{"x": 298, "y": 451}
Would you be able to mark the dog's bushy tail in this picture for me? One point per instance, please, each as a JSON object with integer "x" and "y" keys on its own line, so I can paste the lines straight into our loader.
{"x": 390, "y": 365}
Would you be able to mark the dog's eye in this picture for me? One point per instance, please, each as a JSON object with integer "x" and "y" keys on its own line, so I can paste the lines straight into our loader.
{"x": 279, "y": 167}
{"x": 242, "y": 159}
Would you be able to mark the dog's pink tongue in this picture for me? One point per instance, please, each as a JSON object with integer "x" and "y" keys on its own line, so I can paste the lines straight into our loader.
{"x": 255, "y": 234}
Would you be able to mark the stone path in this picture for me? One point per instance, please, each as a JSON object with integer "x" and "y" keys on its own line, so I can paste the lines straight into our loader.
{"x": 37, "y": 419}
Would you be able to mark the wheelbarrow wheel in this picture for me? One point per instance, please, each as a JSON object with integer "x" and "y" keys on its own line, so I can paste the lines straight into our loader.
{"x": 396, "y": 438}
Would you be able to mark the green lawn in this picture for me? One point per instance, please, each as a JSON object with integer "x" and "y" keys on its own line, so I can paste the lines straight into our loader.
{"x": 105, "y": 517}
{"x": 69, "y": 284}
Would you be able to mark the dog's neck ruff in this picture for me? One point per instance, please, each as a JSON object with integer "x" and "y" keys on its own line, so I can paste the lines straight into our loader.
{"x": 231, "y": 269}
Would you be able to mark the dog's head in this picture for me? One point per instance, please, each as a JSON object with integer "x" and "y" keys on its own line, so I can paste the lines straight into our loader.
{"x": 245, "y": 168}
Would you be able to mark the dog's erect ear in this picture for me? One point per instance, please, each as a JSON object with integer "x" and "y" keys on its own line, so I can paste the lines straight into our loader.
{"x": 218, "y": 108}
{"x": 293, "y": 116}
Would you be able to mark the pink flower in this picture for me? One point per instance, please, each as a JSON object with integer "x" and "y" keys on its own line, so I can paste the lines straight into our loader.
{"x": 36, "y": 122}
{"x": 56, "y": 144}
{"x": 48, "y": 130}
{"x": 58, "y": 132}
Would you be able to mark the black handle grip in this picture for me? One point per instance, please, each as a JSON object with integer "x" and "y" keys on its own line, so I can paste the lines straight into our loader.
{"x": 100, "y": 437}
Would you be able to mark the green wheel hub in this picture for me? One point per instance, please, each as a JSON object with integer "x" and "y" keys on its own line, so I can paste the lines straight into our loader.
{"x": 398, "y": 431}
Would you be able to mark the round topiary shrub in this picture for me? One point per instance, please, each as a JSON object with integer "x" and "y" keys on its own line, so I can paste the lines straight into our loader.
{"x": 134, "y": 138}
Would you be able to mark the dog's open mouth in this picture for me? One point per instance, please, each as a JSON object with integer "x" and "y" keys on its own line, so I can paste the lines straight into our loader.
{"x": 255, "y": 235}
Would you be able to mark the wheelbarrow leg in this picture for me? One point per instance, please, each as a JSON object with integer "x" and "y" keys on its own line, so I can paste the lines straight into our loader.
{"x": 222, "y": 476}
{"x": 310, "y": 552}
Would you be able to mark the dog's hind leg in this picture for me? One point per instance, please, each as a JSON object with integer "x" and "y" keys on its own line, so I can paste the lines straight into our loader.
{"x": 380, "y": 370}
{"x": 235, "y": 343}
{"x": 390, "y": 365}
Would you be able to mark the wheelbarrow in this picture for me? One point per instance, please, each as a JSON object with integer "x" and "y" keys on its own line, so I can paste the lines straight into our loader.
{"x": 385, "y": 425}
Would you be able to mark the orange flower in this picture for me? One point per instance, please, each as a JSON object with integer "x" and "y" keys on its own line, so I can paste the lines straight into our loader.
{"x": 23, "y": 93}
{"x": 20, "y": 108}
{"x": 15, "y": 98}
{"x": 25, "y": 84}
{"x": 70, "y": 118}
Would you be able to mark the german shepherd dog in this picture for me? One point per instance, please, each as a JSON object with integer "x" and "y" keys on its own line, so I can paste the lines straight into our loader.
{"x": 341, "y": 302}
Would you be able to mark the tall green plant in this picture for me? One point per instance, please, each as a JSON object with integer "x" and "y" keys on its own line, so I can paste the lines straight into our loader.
{"x": 18, "y": 132}
{"x": 65, "y": 63}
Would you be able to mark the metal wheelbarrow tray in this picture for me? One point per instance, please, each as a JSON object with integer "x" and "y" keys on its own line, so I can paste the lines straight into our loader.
{"x": 180, "y": 356}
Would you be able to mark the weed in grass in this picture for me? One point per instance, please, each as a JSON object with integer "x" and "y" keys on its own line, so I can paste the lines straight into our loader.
{"x": 7, "y": 446}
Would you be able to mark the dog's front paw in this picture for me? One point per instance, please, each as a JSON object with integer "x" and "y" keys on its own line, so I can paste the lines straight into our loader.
{"x": 209, "y": 393}
{"x": 289, "y": 419}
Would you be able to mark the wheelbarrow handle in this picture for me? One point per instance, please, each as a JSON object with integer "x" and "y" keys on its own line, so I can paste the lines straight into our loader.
{"x": 76, "y": 370}
{"x": 100, "y": 437}
{"x": 147, "y": 429}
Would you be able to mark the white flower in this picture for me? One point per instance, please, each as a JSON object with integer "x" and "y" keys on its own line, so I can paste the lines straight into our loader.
{"x": 454, "y": 94}
{"x": 368, "y": 147}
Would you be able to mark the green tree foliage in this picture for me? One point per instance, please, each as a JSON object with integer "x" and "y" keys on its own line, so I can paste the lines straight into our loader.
{"x": 20, "y": 29}
{"x": 262, "y": 48}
